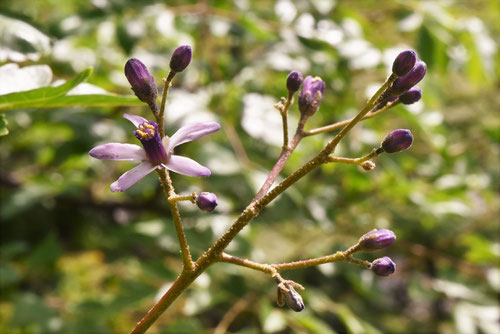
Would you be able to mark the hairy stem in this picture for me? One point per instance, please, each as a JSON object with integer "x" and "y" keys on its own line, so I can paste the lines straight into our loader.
{"x": 169, "y": 190}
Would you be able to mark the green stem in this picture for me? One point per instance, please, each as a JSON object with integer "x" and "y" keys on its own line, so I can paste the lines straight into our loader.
{"x": 180, "y": 198}
{"x": 341, "y": 124}
{"x": 160, "y": 118}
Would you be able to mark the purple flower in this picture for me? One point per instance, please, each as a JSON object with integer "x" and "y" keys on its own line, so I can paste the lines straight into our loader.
{"x": 181, "y": 58}
{"x": 155, "y": 153}
{"x": 410, "y": 79}
{"x": 141, "y": 81}
{"x": 293, "y": 81}
{"x": 383, "y": 266}
{"x": 413, "y": 95}
{"x": 377, "y": 239}
{"x": 311, "y": 95}
{"x": 404, "y": 62}
{"x": 206, "y": 201}
{"x": 397, "y": 141}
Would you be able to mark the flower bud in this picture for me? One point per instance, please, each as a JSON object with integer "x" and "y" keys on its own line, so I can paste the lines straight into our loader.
{"x": 368, "y": 165}
{"x": 410, "y": 79}
{"x": 206, "y": 201}
{"x": 181, "y": 58}
{"x": 404, "y": 62}
{"x": 293, "y": 300}
{"x": 311, "y": 95}
{"x": 383, "y": 266}
{"x": 397, "y": 141}
{"x": 293, "y": 81}
{"x": 141, "y": 81}
{"x": 377, "y": 239}
{"x": 413, "y": 95}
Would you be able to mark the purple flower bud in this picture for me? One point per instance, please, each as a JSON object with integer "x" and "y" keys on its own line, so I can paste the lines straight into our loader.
{"x": 410, "y": 79}
{"x": 311, "y": 95}
{"x": 404, "y": 62}
{"x": 141, "y": 81}
{"x": 293, "y": 81}
{"x": 413, "y": 95}
{"x": 377, "y": 239}
{"x": 206, "y": 201}
{"x": 397, "y": 141}
{"x": 383, "y": 266}
{"x": 181, "y": 58}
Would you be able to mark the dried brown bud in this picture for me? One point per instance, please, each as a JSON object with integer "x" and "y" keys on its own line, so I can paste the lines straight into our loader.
{"x": 368, "y": 165}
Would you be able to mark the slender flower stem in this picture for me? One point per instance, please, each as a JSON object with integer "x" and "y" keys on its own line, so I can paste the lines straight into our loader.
{"x": 283, "y": 158}
{"x": 357, "y": 161}
{"x": 160, "y": 117}
{"x": 284, "y": 116}
{"x": 263, "y": 198}
{"x": 272, "y": 269}
{"x": 341, "y": 124}
{"x": 247, "y": 263}
{"x": 180, "y": 198}
{"x": 169, "y": 190}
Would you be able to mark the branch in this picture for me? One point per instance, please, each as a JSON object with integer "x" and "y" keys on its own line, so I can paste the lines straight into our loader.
{"x": 341, "y": 124}
{"x": 214, "y": 253}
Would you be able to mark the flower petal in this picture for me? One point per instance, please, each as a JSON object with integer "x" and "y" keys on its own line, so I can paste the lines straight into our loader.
{"x": 136, "y": 120}
{"x": 128, "y": 179}
{"x": 117, "y": 151}
{"x": 186, "y": 166}
{"x": 191, "y": 132}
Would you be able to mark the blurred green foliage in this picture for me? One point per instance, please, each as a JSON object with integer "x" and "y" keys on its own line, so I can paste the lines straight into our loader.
{"x": 76, "y": 258}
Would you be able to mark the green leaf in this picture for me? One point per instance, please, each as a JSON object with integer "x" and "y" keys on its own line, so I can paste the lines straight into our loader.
{"x": 3, "y": 125}
{"x": 36, "y": 97}
{"x": 90, "y": 100}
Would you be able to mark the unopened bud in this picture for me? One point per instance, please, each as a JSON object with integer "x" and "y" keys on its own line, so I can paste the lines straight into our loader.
{"x": 141, "y": 81}
{"x": 293, "y": 81}
{"x": 404, "y": 62}
{"x": 413, "y": 95}
{"x": 410, "y": 79}
{"x": 397, "y": 141}
{"x": 206, "y": 201}
{"x": 383, "y": 266}
{"x": 311, "y": 95}
{"x": 368, "y": 165}
{"x": 181, "y": 58}
{"x": 377, "y": 239}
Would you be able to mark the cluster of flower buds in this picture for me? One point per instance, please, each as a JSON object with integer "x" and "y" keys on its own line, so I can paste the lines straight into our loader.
{"x": 142, "y": 83}
{"x": 409, "y": 70}
{"x": 379, "y": 239}
{"x": 206, "y": 201}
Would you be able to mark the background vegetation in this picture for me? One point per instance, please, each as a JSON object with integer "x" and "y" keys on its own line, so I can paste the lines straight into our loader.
{"x": 76, "y": 258}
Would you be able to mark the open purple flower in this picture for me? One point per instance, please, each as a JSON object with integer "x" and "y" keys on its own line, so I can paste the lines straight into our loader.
{"x": 156, "y": 153}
